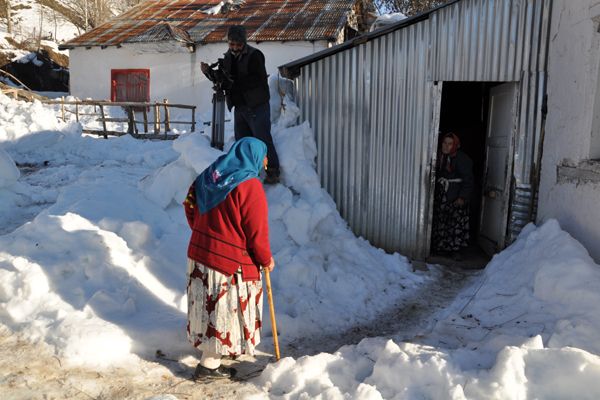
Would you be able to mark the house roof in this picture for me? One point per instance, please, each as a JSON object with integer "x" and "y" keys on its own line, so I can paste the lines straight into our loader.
{"x": 207, "y": 21}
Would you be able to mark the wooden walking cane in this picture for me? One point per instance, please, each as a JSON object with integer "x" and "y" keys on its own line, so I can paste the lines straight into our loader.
{"x": 272, "y": 311}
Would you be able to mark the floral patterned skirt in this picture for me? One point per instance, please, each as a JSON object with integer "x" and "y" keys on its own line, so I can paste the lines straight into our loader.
{"x": 450, "y": 230}
{"x": 224, "y": 313}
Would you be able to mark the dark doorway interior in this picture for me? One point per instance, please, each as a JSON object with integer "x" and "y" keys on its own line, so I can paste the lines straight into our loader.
{"x": 464, "y": 111}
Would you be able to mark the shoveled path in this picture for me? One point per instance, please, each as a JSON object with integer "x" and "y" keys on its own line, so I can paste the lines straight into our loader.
{"x": 404, "y": 321}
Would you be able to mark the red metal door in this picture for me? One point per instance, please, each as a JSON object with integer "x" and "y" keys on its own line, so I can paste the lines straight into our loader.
{"x": 130, "y": 85}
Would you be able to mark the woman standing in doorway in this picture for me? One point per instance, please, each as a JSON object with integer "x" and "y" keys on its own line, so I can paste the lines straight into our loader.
{"x": 454, "y": 185}
{"x": 226, "y": 209}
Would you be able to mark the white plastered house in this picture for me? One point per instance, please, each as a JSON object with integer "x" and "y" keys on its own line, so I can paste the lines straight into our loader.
{"x": 153, "y": 51}
{"x": 569, "y": 189}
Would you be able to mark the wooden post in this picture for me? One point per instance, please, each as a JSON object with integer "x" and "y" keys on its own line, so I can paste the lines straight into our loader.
{"x": 145, "y": 119}
{"x": 8, "y": 17}
{"x": 62, "y": 107}
{"x": 167, "y": 117}
{"x": 77, "y": 112}
{"x": 103, "y": 121}
{"x": 156, "y": 119}
{"x": 130, "y": 120}
{"x": 194, "y": 119}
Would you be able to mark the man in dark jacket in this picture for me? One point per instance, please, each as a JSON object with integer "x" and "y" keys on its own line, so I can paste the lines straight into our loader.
{"x": 249, "y": 94}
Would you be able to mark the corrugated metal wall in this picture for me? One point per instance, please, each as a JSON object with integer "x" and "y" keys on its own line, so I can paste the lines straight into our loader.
{"x": 373, "y": 109}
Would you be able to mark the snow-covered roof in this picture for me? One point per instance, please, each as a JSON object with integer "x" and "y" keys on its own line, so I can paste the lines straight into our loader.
{"x": 207, "y": 21}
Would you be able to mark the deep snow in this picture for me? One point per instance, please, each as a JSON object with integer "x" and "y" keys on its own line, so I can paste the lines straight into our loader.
{"x": 92, "y": 263}
{"x": 115, "y": 262}
{"x": 526, "y": 329}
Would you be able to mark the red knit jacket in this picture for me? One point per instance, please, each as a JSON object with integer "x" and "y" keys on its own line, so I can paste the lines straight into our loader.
{"x": 234, "y": 233}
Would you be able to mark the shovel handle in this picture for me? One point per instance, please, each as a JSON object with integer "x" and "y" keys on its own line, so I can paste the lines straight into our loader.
{"x": 272, "y": 312}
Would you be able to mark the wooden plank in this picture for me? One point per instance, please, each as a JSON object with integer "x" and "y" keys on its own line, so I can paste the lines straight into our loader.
{"x": 88, "y": 114}
{"x": 116, "y": 104}
{"x": 194, "y": 119}
{"x": 145, "y": 112}
{"x": 130, "y": 121}
{"x": 112, "y": 119}
{"x": 103, "y": 133}
{"x": 167, "y": 114}
{"x": 156, "y": 136}
{"x": 156, "y": 119}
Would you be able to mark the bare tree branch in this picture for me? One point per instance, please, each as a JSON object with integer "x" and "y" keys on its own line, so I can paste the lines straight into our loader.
{"x": 406, "y": 7}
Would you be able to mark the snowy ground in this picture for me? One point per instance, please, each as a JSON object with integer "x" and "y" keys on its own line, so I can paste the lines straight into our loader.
{"x": 28, "y": 17}
{"x": 92, "y": 271}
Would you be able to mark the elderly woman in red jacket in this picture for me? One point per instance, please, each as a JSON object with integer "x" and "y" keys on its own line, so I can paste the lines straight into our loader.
{"x": 226, "y": 209}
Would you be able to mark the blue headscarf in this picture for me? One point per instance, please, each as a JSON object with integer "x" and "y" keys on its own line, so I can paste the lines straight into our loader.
{"x": 243, "y": 161}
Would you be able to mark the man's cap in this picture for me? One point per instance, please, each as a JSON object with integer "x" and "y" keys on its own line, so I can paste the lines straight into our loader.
{"x": 237, "y": 33}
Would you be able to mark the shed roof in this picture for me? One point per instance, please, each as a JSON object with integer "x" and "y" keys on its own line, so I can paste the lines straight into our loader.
{"x": 292, "y": 69}
{"x": 207, "y": 21}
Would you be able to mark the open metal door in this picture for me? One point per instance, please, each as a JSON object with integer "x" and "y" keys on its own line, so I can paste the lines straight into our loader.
{"x": 498, "y": 167}
{"x": 436, "y": 97}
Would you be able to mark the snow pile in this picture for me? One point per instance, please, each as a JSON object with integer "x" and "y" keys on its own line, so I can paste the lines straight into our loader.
{"x": 223, "y": 7}
{"x": 320, "y": 262}
{"x": 513, "y": 334}
{"x": 27, "y": 299}
{"x": 30, "y": 58}
{"x": 19, "y": 119}
{"x": 108, "y": 254}
{"x": 380, "y": 369}
{"x": 9, "y": 173}
{"x": 545, "y": 283}
{"x": 25, "y": 129}
{"x": 386, "y": 19}
{"x": 67, "y": 277}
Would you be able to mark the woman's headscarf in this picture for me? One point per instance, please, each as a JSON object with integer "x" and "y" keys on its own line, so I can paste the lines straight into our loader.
{"x": 444, "y": 159}
{"x": 243, "y": 161}
{"x": 455, "y": 143}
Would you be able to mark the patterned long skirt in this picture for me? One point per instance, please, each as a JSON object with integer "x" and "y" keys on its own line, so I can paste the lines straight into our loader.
{"x": 450, "y": 231}
{"x": 224, "y": 313}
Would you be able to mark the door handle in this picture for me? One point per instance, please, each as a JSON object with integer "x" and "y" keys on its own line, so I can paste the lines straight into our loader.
{"x": 492, "y": 193}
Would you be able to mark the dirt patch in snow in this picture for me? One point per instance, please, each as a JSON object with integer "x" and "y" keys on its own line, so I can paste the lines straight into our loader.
{"x": 31, "y": 371}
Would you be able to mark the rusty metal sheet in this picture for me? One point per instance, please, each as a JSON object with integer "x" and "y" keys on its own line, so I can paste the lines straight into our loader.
{"x": 271, "y": 20}
{"x": 161, "y": 32}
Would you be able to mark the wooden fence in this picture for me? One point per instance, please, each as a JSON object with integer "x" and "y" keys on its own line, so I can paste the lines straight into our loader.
{"x": 152, "y": 128}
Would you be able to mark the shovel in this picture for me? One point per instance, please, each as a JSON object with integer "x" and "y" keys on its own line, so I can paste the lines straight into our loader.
{"x": 272, "y": 311}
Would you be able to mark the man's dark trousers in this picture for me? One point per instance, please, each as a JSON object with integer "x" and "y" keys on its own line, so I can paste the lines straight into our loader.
{"x": 256, "y": 122}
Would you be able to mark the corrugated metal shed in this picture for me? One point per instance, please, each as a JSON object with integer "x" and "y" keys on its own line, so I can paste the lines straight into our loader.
{"x": 207, "y": 21}
{"x": 374, "y": 103}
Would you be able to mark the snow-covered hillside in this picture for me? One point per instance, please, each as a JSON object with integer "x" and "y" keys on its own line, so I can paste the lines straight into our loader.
{"x": 29, "y": 18}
